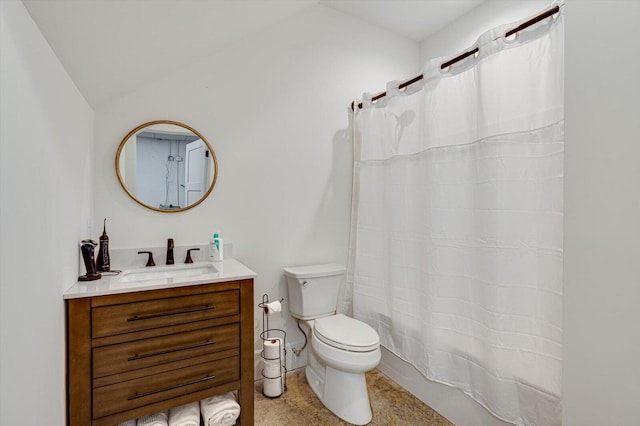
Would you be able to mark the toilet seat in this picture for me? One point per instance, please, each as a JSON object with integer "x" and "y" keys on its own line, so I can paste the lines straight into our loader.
{"x": 346, "y": 333}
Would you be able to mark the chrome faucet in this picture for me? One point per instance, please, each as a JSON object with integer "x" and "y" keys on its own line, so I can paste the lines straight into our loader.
{"x": 169, "y": 252}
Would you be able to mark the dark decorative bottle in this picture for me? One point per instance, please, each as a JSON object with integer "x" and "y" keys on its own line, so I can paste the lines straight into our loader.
{"x": 87, "y": 254}
{"x": 103, "y": 261}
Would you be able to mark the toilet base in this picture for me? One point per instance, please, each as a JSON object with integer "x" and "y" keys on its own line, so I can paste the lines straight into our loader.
{"x": 344, "y": 394}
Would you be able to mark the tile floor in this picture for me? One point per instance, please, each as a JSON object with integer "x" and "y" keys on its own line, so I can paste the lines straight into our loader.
{"x": 299, "y": 406}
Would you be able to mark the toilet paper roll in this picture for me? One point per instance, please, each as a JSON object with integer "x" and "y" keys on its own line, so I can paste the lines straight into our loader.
{"x": 273, "y": 308}
{"x": 271, "y": 368}
{"x": 270, "y": 347}
{"x": 272, "y": 387}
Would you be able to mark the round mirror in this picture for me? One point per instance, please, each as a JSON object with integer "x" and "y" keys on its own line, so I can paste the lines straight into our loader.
{"x": 166, "y": 166}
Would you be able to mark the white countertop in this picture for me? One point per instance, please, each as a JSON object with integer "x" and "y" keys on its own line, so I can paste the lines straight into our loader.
{"x": 228, "y": 270}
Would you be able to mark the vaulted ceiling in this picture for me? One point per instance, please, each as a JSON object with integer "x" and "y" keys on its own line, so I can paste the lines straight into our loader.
{"x": 108, "y": 47}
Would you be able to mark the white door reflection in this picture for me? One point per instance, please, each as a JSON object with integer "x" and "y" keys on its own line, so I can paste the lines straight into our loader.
{"x": 196, "y": 171}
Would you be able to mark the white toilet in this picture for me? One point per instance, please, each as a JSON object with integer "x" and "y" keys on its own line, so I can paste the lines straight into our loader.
{"x": 342, "y": 348}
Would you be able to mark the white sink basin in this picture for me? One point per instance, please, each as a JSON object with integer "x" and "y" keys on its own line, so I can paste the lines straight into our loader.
{"x": 167, "y": 272}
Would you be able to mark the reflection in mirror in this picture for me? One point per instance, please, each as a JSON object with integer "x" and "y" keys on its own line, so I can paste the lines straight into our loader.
{"x": 166, "y": 166}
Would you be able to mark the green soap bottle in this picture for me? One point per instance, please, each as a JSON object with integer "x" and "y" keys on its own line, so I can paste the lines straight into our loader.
{"x": 215, "y": 248}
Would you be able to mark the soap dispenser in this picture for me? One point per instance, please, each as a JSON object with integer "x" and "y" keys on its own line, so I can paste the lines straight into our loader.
{"x": 103, "y": 263}
{"x": 216, "y": 248}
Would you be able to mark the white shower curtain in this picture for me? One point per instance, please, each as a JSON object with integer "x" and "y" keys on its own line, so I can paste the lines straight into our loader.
{"x": 456, "y": 240}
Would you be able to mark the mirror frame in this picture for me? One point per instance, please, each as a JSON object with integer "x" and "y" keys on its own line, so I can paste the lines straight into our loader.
{"x": 176, "y": 123}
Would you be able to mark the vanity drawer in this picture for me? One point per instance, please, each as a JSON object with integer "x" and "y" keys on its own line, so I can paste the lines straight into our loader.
{"x": 129, "y": 356}
{"x": 150, "y": 314}
{"x": 147, "y": 390}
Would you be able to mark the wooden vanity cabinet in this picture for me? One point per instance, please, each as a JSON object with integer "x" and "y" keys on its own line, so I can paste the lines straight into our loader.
{"x": 139, "y": 353}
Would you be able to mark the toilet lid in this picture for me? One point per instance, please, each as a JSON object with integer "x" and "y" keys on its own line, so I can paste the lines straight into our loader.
{"x": 346, "y": 333}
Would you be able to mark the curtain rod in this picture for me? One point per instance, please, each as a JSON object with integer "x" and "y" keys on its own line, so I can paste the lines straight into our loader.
{"x": 525, "y": 24}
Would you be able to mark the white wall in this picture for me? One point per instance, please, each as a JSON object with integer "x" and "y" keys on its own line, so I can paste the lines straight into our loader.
{"x": 275, "y": 109}
{"x": 46, "y": 133}
{"x": 601, "y": 382}
{"x": 462, "y": 33}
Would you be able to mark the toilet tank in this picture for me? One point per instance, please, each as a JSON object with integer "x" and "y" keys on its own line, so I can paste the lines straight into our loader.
{"x": 313, "y": 289}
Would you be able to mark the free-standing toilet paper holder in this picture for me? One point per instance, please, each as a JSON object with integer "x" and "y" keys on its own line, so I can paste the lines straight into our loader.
{"x": 273, "y": 354}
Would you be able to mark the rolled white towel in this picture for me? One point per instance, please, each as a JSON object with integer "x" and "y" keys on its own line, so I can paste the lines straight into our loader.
{"x": 158, "y": 419}
{"x": 128, "y": 423}
{"x": 185, "y": 415}
{"x": 221, "y": 410}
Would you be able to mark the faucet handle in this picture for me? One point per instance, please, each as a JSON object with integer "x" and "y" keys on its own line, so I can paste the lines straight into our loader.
{"x": 150, "y": 261}
{"x": 188, "y": 259}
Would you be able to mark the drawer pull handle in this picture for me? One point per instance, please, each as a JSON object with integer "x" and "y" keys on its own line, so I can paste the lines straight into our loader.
{"x": 166, "y": 314}
{"x": 168, "y": 388}
{"x": 168, "y": 351}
